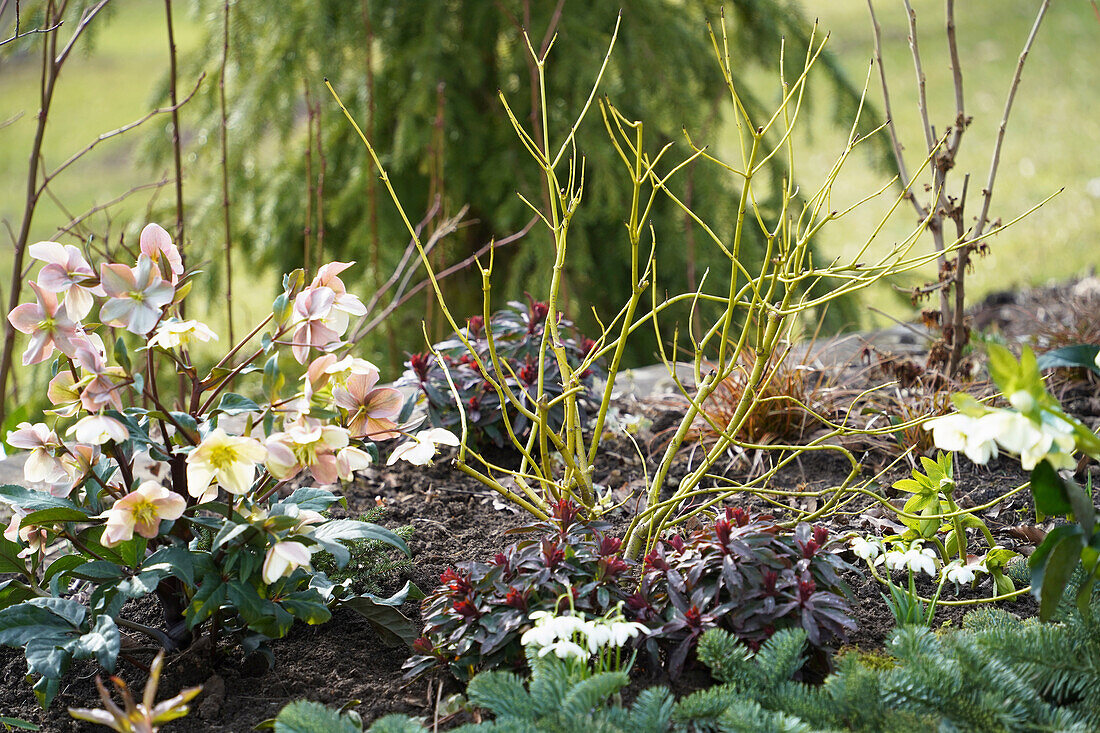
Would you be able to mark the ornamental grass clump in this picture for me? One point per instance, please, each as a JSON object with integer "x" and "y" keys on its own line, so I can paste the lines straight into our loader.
{"x": 158, "y": 478}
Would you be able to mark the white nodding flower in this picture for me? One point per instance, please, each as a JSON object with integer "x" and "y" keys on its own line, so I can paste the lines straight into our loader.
{"x": 865, "y": 548}
{"x": 921, "y": 560}
{"x": 1097, "y": 359}
{"x": 99, "y": 429}
{"x": 1022, "y": 400}
{"x": 623, "y": 631}
{"x": 1051, "y": 440}
{"x": 420, "y": 450}
{"x": 564, "y": 649}
{"x": 174, "y": 333}
{"x": 549, "y": 628}
{"x": 895, "y": 559}
{"x": 282, "y": 559}
{"x": 965, "y": 434}
{"x": 957, "y": 572}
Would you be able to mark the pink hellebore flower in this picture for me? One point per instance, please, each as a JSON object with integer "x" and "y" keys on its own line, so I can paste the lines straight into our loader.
{"x": 66, "y": 271}
{"x": 306, "y": 443}
{"x": 224, "y": 460}
{"x": 311, "y": 308}
{"x": 156, "y": 243}
{"x": 282, "y": 558}
{"x": 327, "y": 368}
{"x": 141, "y": 510}
{"x": 135, "y": 295}
{"x": 99, "y": 429}
{"x": 372, "y": 411}
{"x": 420, "y": 450}
{"x": 345, "y": 304}
{"x": 34, "y": 537}
{"x": 48, "y": 324}
{"x": 41, "y": 466}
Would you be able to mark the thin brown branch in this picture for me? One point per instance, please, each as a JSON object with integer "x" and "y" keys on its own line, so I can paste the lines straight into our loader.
{"x": 85, "y": 18}
{"x": 177, "y": 147}
{"x": 899, "y": 156}
{"x": 23, "y": 34}
{"x": 76, "y": 221}
{"x": 119, "y": 131}
{"x": 987, "y": 192}
{"x": 922, "y": 95}
{"x": 450, "y": 271}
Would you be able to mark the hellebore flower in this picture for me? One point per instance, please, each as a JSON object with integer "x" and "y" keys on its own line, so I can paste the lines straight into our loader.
{"x": 48, "y": 324}
{"x": 135, "y": 295}
{"x": 156, "y": 244}
{"x": 66, "y": 271}
{"x": 420, "y": 450}
{"x": 34, "y": 537}
{"x": 349, "y": 460}
{"x": 311, "y": 311}
{"x": 174, "y": 333}
{"x": 142, "y": 511}
{"x": 372, "y": 411}
{"x": 1033, "y": 442}
{"x": 99, "y": 429}
{"x": 282, "y": 559}
{"x": 960, "y": 432}
{"x": 306, "y": 443}
{"x": 223, "y": 460}
{"x": 344, "y": 304}
{"x": 63, "y": 394}
{"x": 41, "y": 466}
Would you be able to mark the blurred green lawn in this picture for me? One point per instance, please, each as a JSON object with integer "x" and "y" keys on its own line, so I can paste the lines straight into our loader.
{"x": 1052, "y": 140}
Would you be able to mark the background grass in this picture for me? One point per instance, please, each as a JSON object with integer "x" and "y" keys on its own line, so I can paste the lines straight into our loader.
{"x": 1052, "y": 139}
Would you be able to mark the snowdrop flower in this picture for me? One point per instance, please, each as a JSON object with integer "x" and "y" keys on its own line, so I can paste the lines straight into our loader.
{"x": 895, "y": 559}
{"x": 48, "y": 324}
{"x": 962, "y": 433}
{"x": 135, "y": 295}
{"x": 957, "y": 572}
{"x": 142, "y": 511}
{"x": 175, "y": 333}
{"x": 420, "y": 450}
{"x": 223, "y": 460}
{"x": 282, "y": 559}
{"x": 921, "y": 560}
{"x": 564, "y": 649}
{"x": 66, "y": 272}
{"x": 865, "y": 549}
{"x": 156, "y": 244}
{"x": 549, "y": 628}
{"x": 42, "y": 465}
{"x": 621, "y": 632}
{"x": 99, "y": 429}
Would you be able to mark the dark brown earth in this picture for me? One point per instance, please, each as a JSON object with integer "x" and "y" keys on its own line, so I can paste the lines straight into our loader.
{"x": 456, "y": 519}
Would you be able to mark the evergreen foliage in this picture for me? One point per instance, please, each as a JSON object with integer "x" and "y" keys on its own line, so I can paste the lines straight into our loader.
{"x": 371, "y": 561}
{"x": 433, "y": 109}
{"x": 997, "y": 673}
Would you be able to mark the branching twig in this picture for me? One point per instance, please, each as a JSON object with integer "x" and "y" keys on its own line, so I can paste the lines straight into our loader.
{"x": 225, "y": 177}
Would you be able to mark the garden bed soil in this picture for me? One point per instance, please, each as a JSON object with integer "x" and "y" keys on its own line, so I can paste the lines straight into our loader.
{"x": 455, "y": 518}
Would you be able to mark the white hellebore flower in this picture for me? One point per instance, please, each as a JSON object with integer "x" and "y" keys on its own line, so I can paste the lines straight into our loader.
{"x": 42, "y": 465}
{"x": 99, "y": 429}
{"x": 141, "y": 511}
{"x": 420, "y": 450}
{"x": 962, "y": 433}
{"x": 1031, "y": 441}
{"x": 282, "y": 559}
{"x": 921, "y": 560}
{"x": 865, "y": 549}
{"x": 223, "y": 460}
{"x": 175, "y": 333}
